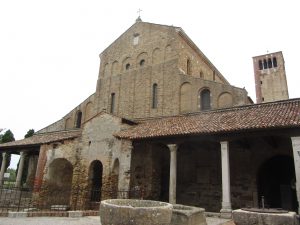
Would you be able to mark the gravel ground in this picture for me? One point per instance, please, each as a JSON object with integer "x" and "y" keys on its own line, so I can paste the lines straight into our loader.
{"x": 88, "y": 220}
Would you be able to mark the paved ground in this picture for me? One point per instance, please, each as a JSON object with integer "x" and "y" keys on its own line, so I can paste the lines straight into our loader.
{"x": 88, "y": 220}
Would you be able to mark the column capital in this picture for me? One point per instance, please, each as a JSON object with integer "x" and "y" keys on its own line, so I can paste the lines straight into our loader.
{"x": 295, "y": 138}
{"x": 3, "y": 154}
{"x": 172, "y": 147}
{"x": 23, "y": 154}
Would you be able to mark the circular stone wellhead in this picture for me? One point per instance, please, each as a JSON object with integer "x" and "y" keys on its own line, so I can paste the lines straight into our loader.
{"x": 135, "y": 212}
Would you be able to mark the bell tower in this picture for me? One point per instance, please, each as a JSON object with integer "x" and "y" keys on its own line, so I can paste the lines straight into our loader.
{"x": 270, "y": 77}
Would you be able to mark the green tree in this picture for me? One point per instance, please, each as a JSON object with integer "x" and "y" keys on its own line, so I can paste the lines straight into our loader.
{"x": 8, "y": 136}
{"x": 29, "y": 133}
{"x": 12, "y": 172}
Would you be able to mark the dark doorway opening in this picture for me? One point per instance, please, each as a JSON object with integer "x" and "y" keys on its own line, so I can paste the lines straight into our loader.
{"x": 165, "y": 175}
{"x": 96, "y": 170}
{"x": 276, "y": 182}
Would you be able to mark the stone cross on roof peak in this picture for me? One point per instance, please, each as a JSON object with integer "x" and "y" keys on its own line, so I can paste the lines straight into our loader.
{"x": 139, "y": 17}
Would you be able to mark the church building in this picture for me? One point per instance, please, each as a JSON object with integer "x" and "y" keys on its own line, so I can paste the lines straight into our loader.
{"x": 165, "y": 122}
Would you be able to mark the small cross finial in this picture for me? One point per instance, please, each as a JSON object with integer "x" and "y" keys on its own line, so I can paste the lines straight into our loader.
{"x": 139, "y": 12}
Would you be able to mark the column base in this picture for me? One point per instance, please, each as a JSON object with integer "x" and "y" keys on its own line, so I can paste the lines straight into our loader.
{"x": 226, "y": 213}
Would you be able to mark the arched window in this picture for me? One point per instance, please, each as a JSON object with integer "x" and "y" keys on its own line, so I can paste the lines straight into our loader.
{"x": 274, "y": 62}
{"x": 78, "y": 119}
{"x": 265, "y": 64}
{"x": 201, "y": 75}
{"x": 269, "y": 63}
{"x": 188, "y": 67}
{"x": 112, "y": 102}
{"x": 127, "y": 67}
{"x": 142, "y": 62}
{"x": 214, "y": 75}
{"x": 260, "y": 65}
{"x": 154, "y": 96}
{"x": 205, "y": 99}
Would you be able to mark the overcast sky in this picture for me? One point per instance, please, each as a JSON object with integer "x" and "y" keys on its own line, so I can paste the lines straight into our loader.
{"x": 49, "y": 50}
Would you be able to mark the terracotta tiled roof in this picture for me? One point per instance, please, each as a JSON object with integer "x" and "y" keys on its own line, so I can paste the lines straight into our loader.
{"x": 281, "y": 114}
{"x": 44, "y": 138}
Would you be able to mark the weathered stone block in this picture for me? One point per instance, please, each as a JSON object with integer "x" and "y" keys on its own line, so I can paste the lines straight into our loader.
{"x": 17, "y": 214}
{"x": 135, "y": 212}
{"x": 187, "y": 215}
{"x": 242, "y": 217}
{"x": 75, "y": 214}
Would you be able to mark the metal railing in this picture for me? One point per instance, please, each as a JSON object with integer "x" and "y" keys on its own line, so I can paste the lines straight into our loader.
{"x": 25, "y": 199}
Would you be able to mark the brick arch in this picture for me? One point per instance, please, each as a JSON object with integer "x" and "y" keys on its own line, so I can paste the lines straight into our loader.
{"x": 156, "y": 56}
{"x": 204, "y": 98}
{"x": 142, "y": 57}
{"x": 106, "y": 70}
{"x": 88, "y": 110}
{"x": 68, "y": 123}
{"x": 169, "y": 52}
{"x": 185, "y": 97}
{"x": 125, "y": 62}
{"x": 225, "y": 100}
{"x": 59, "y": 180}
{"x": 115, "y": 69}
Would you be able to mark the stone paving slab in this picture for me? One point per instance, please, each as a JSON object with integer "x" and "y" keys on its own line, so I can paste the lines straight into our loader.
{"x": 88, "y": 220}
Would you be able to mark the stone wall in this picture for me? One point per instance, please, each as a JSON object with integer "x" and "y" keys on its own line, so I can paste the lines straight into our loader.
{"x": 165, "y": 54}
{"x": 97, "y": 143}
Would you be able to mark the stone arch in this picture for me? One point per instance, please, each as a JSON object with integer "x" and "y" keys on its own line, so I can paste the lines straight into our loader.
{"x": 185, "y": 97}
{"x": 276, "y": 182}
{"x": 225, "y": 100}
{"x": 169, "y": 52}
{"x": 115, "y": 68}
{"x": 95, "y": 180}
{"x": 142, "y": 59}
{"x": 88, "y": 110}
{"x": 127, "y": 64}
{"x": 68, "y": 123}
{"x": 156, "y": 56}
{"x": 78, "y": 119}
{"x": 204, "y": 99}
{"x": 106, "y": 70}
{"x": 115, "y": 175}
{"x": 59, "y": 181}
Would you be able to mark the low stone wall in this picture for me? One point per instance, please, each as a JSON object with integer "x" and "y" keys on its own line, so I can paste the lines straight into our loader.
{"x": 187, "y": 215}
{"x": 243, "y": 217}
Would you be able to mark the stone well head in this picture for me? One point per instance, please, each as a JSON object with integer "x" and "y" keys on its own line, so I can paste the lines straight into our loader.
{"x": 135, "y": 212}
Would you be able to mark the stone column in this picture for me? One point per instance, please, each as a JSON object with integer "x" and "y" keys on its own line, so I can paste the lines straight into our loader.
{"x": 296, "y": 153}
{"x": 2, "y": 171}
{"x": 125, "y": 173}
{"x": 173, "y": 173}
{"x": 226, "y": 202}
{"x": 32, "y": 164}
{"x": 20, "y": 170}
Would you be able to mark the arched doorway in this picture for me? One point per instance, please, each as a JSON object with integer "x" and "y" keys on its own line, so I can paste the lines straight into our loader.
{"x": 59, "y": 181}
{"x": 95, "y": 179}
{"x": 276, "y": 182}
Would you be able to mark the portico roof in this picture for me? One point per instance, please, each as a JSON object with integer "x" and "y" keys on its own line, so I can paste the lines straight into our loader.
{"x": 273, "y": 115}
{"x": 39, "y": 139}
